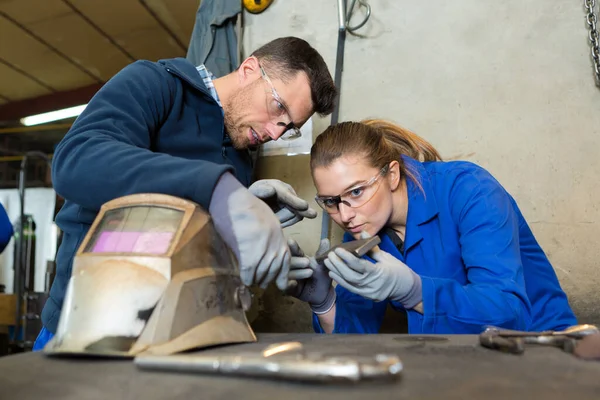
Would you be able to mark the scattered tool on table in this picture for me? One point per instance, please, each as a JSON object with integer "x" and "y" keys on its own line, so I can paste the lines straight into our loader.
{"x": 512, "y": 341}
{"x": 281, "y": 361}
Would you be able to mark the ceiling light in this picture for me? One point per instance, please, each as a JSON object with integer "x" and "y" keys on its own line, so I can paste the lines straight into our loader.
{"x": 53, "y": 115}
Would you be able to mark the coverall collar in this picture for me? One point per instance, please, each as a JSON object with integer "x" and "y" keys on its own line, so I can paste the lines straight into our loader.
{"x": 422, "y": 205}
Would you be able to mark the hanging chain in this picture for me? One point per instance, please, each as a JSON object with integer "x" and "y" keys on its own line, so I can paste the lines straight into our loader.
{"x": 594, "y": 40}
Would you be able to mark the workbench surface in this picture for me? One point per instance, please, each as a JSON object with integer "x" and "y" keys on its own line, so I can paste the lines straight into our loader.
{"x": 435, "y": 367}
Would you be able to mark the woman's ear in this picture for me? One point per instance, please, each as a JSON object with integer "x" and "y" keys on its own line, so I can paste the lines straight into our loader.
{"x": 394, "y": 175}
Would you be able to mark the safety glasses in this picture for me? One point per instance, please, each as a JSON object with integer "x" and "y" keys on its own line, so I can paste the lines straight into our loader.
{"x": 354, "y": 197}
{"x": 278, "y": 110}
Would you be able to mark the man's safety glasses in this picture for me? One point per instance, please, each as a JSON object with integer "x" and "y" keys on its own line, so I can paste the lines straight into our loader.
{"x": 278, "y": 110}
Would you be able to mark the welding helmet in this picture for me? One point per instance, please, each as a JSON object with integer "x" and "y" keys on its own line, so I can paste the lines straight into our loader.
{"x": 152, "y": 276}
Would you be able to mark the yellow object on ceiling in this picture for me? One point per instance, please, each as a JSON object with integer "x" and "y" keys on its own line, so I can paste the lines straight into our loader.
{"x": 256, "y": 6}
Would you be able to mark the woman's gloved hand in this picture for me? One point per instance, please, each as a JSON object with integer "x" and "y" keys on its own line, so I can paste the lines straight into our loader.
{"x": 288, "y": 207}
{"x": 309, "y": 280}
{"x": 387, "y": 278}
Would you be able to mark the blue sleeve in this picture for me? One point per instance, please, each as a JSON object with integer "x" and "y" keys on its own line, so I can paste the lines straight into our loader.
{"x": 6, "y": 229}
{"x": 106, "y": 153}
{"x": 488, "y": 229}
{"x": 354, "y": 314}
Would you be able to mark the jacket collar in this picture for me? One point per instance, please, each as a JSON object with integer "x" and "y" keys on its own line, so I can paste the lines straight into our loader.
{"x": 186, "y": 71}
{"x": 422, "y": 205}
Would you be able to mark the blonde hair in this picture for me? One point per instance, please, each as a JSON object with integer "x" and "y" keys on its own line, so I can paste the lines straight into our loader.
{"x": 378, "y": 141}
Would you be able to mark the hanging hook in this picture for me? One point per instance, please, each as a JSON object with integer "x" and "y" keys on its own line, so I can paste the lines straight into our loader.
{"x": 361, "y": 3}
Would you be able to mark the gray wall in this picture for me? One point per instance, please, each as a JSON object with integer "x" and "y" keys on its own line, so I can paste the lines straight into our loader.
{"x": 505, "y": 84}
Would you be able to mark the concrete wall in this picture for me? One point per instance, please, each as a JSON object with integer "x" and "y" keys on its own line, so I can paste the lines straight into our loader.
{"x": 507, "y": 85}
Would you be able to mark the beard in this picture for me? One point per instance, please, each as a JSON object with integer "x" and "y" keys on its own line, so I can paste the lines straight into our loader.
{"x": 234, "y": 112}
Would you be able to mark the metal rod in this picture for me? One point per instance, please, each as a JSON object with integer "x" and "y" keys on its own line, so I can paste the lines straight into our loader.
{"x": 339, "y": 67}
{"x": 19, "y": 288}
{"x": 35, "y": 128}
{"x": 342, "y": 15}
{"x": 17, "y": 284}
{"x": 18, "y": 158}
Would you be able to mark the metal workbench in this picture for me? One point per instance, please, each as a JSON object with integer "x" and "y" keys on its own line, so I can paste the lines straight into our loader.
{"x": 435, "y": 367}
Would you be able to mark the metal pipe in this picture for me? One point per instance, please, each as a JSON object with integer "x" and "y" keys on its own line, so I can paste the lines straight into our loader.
{"x": 342, "y": 15}
{"x": 18, "y": 158}
{"x": 36, "y": 128}
{"x": 339, "y": 66}
{"x": 18, "y": 274}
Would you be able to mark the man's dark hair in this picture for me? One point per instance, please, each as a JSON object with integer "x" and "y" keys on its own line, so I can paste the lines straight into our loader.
{"x": 289, "y": 55}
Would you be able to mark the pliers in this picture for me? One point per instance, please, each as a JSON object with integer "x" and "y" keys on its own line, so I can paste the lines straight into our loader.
{"x": 511, "y": 341}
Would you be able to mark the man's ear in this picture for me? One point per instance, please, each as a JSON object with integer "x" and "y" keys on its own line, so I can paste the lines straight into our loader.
{"x": 248, "y": 71}
{"x": 394, "y": 175}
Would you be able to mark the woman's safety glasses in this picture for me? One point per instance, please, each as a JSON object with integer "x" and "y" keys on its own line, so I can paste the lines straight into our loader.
{"x": 355, "y": 197}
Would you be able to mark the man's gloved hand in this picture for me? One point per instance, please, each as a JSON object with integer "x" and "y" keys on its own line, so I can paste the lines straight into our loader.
{"x": 388, "y": 278}
{"x": 309, "y": 280}
{"x": 289, "y": 208}
{"x": 253, "y": 233}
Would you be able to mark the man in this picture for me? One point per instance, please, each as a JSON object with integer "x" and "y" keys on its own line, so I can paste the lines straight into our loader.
{"x": 169, "y": 127}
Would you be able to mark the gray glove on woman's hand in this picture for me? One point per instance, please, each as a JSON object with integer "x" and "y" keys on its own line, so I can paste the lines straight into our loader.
{"x": 387, "y": 278}
{"x": 309, "y": 280}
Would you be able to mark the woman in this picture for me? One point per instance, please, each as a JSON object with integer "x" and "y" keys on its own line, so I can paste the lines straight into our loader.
{"x": 455, "y": 253}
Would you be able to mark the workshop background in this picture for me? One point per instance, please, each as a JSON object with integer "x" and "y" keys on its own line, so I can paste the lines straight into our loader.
{"x": 507, "y": 85}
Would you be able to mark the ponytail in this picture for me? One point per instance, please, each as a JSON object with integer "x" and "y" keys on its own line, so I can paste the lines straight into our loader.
{"x": 403, "y": 141}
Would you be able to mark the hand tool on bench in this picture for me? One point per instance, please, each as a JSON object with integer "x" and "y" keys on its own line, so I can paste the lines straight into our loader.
{"x": 281, "y": 361}
{"x": 513, "y": 341}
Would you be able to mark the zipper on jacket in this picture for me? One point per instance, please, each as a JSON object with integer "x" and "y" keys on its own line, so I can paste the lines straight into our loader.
{"x": 184, "y": 78}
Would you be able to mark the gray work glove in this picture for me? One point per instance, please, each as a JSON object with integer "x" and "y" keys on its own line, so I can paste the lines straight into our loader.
{"x": 288, "y": 207}
{"x": 309, "y": 280}
{"x": 388, "y": 278}
{"x": 253, "y": 233}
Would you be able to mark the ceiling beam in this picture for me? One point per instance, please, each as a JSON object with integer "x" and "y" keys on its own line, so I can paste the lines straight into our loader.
{"x": 98, "y": 29}
{"x": 51, "y": 47}
{"x": 26, "y": 74}
{"x": 51, "y": 102}
{"x": 163, "y": 24}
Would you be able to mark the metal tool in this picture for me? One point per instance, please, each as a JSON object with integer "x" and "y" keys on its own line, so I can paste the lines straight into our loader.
{"x": 588, "y": 348}
{"x": 575, "y": 331}
{"x": 282, "y": 361}
{"x": 512, "y": 341}
{"x": 358, "y": 247}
